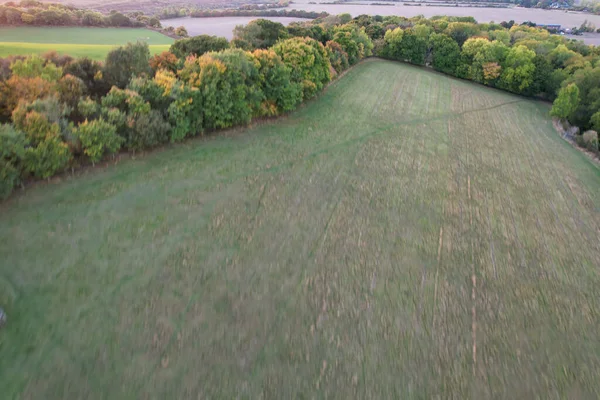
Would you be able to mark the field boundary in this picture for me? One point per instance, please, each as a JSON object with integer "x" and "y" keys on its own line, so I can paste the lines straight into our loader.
{"x": 123, "y": 156}
{"x": 594, "y": 158}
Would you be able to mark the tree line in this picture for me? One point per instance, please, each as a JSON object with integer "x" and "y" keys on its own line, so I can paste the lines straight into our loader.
{"x": 257, "y": 13}
{"x": 521, "y": 59}
{"x": 59, "y": 113}
{"x": 249, "y": 10}
{"x": 36, "y": 13}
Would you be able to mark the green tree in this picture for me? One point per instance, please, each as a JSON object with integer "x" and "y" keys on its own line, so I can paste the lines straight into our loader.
{"x": 354, "y": 41}
{"x": 566, "y": 103}
{"x": 308, "y": 62}
{"x": 484, "y": 59}
{"x": 280, "y": 93}
{"x": 12, "y": 152}
{"x": 595, "y": 121}
{"x": 261, "y": 33}
{"x": 337, "y": 56}
{"x": 228, "y": 83}
{"x": 90, "y": 73}
{"x": 413, "y": 47}
{"x": 98, "y": 138}
{"x": 518, "y": 69}
{"x": 542, "y": 79}
{"x": 181, "y": 32}
{"x": 149, "y": 130}
{"x": 445, "y": 52}
{"x": 34, "y": 67}
{"x": 461, "y": 31}
{"x": 47, "y": 158}
{"x": 588, "y": 81}
{"x": 393, "y": 42}
{"x": 125, "y": 62}
{"x": 198, "y": 45}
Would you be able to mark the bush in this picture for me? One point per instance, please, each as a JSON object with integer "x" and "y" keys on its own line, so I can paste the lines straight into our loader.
{"x": 149, "y": 130}
{"x": 36, "y": 66}
{"x": 98, "y": 138}
{"x": 590, "y": 140}
{"x": 12, "y": 152}
{"x": 49, "y": 157}
{"x": 88, "y": 108}
{"x": 36, "y": 126}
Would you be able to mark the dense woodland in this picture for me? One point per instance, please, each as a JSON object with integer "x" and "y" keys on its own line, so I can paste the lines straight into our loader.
{"x": 58, "y": 113}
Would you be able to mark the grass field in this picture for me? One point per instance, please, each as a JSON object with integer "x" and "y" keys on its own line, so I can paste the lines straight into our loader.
{"x": 405, "y": 235}
{"x": 78, "y": 42}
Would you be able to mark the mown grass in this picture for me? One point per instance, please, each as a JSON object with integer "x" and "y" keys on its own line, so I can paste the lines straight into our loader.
{"x": 406, "y": 235}
{"x": 82, "y": 35}
{"x": 77, "y": 42}
{"x": 93, "y": 51}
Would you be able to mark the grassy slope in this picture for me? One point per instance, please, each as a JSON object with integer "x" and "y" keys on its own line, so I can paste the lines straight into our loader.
{"x": 406, "y": 235}
{"x": 78, "y": 42}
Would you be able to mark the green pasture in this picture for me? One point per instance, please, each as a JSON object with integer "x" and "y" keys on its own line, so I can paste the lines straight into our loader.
{"x": 77, "y": 42}
{"x": 405, "y": 235}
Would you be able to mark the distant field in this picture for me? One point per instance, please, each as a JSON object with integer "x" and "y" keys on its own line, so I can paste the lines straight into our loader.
{"x": 91, "y": 42}
{"x": 221, "y": 26}
{"x": 405, "y": 235}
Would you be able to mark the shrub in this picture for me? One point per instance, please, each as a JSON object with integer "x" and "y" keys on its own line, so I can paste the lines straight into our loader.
{"x": 34, "y": 67}
{"x": 590, "y": 140}
{"x": 47, "y": 158}
{"x": 35, "y": 125}
{"x": 88, "y": 108}
{"x": 149, "y": 130}
{"x": 98, "y": 138}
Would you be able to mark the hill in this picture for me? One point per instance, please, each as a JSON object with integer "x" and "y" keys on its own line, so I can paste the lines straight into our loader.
{"x": 404, "y": 235}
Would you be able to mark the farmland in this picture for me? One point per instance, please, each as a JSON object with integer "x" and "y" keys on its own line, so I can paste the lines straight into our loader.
{"x": 404, "y": 235}
{"x": 77, "y": 42}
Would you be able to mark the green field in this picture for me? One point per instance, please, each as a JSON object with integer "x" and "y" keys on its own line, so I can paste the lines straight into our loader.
{"x": 405, "y": 235}
{"x": 78, "y": 42}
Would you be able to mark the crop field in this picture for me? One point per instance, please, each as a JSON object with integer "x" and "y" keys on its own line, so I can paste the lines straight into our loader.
{"x": 405, "y": 235}
{"x": 78, "y": 42}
